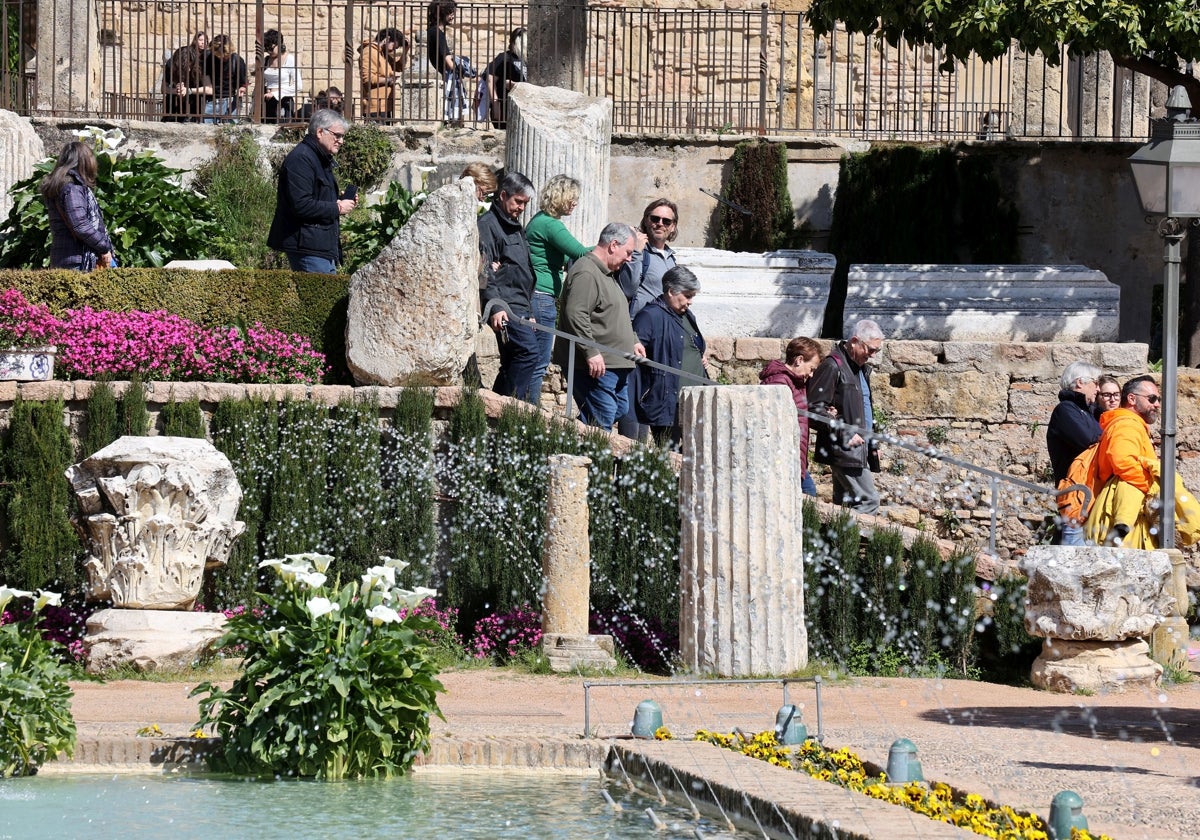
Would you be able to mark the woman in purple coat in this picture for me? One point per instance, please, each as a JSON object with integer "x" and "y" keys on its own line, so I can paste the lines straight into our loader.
{"x": 801, "y": 359}
{"x": 78, "y": 238}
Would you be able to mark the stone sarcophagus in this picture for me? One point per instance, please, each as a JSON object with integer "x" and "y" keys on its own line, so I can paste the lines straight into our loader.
{"x": 155, "y": 512}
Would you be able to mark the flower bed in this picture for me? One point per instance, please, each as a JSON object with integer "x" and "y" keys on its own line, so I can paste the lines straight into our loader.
{"x": 937, "y": 801}
{"x": 96, "y": 344}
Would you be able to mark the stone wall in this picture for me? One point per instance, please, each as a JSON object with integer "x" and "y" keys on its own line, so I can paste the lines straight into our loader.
{"x": 985, "y": 404}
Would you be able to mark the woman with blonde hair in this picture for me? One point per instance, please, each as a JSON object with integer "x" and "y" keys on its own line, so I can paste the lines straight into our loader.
{"x": 78, "y": 238}
{"x": 551, "y": 245}
{"x": 485, "y": 180}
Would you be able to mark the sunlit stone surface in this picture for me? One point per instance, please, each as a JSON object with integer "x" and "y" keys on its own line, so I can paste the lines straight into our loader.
{"x": 566, "y": 558}
{"x": 414, "y": 309}
{"x": 156, "y": 511}
{"x": 741, "y": 564}
{"x": 149, "y": 640}
{"x": 1095, "y": 606}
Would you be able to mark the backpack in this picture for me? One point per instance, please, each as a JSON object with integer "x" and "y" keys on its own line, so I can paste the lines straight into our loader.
{"x": 1071, "y": 505}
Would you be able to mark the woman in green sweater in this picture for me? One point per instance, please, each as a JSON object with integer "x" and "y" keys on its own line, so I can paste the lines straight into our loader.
{"x": 551, "y": 245}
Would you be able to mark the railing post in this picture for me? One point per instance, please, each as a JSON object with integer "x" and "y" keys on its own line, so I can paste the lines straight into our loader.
{"x": 256, "y": 102}
{"x": 570, "y": 375}
{"x": 992, "y": 528}
{"x": 349, "y": 100}
{"x": 762, "y": 70}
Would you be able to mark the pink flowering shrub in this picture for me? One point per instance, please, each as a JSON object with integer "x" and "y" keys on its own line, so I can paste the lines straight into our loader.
{"x": 96, "y": 344}
{"x": 504, "y": 635}
{"x": 63, "y": 625}
{"x": 23, "y": 324}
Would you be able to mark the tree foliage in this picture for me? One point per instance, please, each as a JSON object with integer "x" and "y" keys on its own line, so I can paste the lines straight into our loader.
{"x": 1153, "y": 37}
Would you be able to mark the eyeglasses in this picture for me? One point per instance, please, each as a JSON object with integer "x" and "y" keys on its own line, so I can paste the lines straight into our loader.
{"x": 662, "y": 220}
{"x": 1110, "y": 395}
{"x": 1150, "y": 398}
{"x": 339, "y": 136}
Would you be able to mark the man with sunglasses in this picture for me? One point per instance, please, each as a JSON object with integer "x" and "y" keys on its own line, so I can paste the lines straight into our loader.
{"x": 641, "y": 278}
{"x": 308, "y": 208}
{"x": 1126, "y": 456}
{"x": 842, "y": 381}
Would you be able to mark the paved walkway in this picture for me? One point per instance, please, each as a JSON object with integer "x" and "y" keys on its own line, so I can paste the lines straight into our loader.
{"x": 1134, "y": 758}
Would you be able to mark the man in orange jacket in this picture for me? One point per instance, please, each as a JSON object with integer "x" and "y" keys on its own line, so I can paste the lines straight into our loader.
{"x": 1126, "y": 452}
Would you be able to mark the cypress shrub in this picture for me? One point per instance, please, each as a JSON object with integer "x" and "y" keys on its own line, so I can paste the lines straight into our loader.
{"x": 758, "y": 183}
{"x": 407, "y": 473}
{"x": 354, "y": 497}
{"x": 298, "y": 512}
{"x": 247, "y": 432}
{"x": 883, "y": 564}
{"x": 843, "y": 582}
{"x": 182, "y": 419}
{"x": 956, "y": 639}
{"x": 102, "y": 426}
{"x": 815, "y": 551}
{"x": 134, "y": 417}
{"x": 463, "y": 479}
{"x": 43, "y": 549}
{"x": 921, "y": 608}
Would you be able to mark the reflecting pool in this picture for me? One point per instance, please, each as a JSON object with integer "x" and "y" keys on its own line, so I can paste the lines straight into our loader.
{"x": 423, "y": 805}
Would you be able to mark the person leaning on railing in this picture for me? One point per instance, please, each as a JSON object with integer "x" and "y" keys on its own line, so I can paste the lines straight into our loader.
{"x": 380, "y": 64}
{"x": 227, "y": 72}
{"x": 186, "y": 85}
{"x": 281, "y": 79}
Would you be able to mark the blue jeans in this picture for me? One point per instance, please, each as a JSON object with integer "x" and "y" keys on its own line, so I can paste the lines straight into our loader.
{"x": 601, "y": 401}
{"x": 220, "y": 106}
{"x": 545, "y": 311}
{"x": 1070, "y": 533}
{"x": 312, "y": 264}
{"x": 518, "y": 360}
{"x": 807, "y": 486}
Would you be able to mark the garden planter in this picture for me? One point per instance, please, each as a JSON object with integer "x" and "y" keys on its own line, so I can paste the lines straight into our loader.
{"x": 27, "y": 364}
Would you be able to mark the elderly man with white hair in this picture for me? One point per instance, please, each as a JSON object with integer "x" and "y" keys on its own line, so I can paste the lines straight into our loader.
{"x": 840, "y": 388}
{"x": 1072, "y": 429}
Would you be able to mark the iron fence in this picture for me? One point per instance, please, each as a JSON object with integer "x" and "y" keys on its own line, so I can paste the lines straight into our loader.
{"x": 666, "y": 70}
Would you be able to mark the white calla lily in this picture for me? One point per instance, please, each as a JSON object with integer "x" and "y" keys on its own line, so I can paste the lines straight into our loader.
{"x": 382, "y": 614}
{"x": 312, "y": 580}
{"x": 394, "y": 563}
{"x": 318, "y": 607}
{"x": 45, "y": 598}
{"x": 7, "y": 595}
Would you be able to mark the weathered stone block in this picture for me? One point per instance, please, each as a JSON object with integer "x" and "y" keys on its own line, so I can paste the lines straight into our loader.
{"x": 1095, "y": 667}
{"x": 719, "y": 347}
{"x": 149, "y": 640}
{"x": 1095, "y": 593}
{"x": 966, "y": 395}
{"x": 758, "y": 349}
{"x": 906, "y": 354}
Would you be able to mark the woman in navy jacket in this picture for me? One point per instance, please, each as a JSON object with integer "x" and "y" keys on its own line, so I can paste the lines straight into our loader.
{"x": 668, "y": 330}
{"x": 78, "y": 238}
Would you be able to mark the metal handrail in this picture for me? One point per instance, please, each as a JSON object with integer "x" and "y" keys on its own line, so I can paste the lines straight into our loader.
{"x": 834, "y": 423}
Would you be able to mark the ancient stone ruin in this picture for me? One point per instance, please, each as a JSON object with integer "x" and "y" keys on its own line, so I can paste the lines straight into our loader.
{"x": 155, "y": 512}
{"x": 1095, "y": 607}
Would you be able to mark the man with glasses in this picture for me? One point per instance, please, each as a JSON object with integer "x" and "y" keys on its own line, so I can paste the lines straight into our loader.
{"x": 641, "y": 278}
{"x": 1126, "y": 467}
{"x": 308, "y": 208}
{"x": 841, "y": 388}
{"x": 1071, "y": 430}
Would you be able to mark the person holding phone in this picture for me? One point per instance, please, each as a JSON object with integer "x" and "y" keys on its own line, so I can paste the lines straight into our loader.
{"x": 308, "y": 210}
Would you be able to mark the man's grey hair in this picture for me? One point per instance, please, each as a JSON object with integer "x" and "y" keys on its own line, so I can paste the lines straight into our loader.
{"x": 1075, "y": 371}
{"x": 867, "y": 330}
{"x": 324, "y": 118}
{"x": 514, "y": 183}
{"x": 680, "y": 280}
{"x": 618, "y": 232}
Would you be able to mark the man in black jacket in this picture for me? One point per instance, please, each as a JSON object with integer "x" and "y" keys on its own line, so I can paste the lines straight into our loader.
{"x": 840, "y": 388}
{"x": 307, "y": 207}
{"x": 510, "y": 284}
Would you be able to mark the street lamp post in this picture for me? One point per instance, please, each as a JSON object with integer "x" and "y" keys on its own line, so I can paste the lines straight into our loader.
{"x": 1166, "y": 172}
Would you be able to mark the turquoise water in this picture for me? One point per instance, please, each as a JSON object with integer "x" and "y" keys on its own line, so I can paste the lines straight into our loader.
{"x": 449, "y": 805}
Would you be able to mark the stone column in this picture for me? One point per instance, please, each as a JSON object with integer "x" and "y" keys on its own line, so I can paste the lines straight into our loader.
{"x": 566, "y": 560}
{"x": 552, "y": 131}
{"x": 68, "y": 57}
{"x": 21, "y": 149}
{"x": 1169, "y": 641}
{"x": 741, "y": 566}
{"x": 558, "y": 43}
{"x": 1095, "y": 606}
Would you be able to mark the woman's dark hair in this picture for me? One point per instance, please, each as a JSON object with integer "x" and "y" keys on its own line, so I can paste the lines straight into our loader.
{"x": 654, "y": 205}
{"x": 439, "y": 12}
{"x": 75, "y": 157}
{"x": 220, "y": 46}
{"x": 272, "y": 38}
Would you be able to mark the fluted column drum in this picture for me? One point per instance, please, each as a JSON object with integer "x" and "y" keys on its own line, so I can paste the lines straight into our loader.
{"x": 552, "y": 131}
{"x": 742, "y": 565}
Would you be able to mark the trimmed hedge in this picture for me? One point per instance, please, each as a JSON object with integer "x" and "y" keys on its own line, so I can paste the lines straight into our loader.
{"x": 311, "y": 305}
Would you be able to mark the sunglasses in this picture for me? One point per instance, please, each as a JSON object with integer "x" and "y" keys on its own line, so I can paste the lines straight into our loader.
{"x": 661, "y": 220}
{"x": 1150, "y": 398}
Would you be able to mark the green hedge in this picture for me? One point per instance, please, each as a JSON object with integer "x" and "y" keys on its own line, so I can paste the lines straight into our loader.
{"x": 312, "y": 305}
